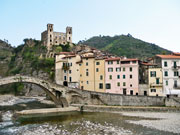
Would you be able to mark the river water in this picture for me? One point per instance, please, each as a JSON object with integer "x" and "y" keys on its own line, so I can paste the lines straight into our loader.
{"x": 85, "y": 123}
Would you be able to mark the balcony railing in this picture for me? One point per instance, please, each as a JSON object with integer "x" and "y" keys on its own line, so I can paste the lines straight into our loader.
{"x": 176, "y": 86}
{"x": 156, "y": 85}
{"x": 175, "y": 67}
{"x": 65, "y": 67}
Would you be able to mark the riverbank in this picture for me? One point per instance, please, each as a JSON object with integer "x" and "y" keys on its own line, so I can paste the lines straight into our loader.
{"x": 103, "y": 108}
{"x": 47, "y": 111}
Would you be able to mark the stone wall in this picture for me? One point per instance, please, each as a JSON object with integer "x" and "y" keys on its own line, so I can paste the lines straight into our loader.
{"x": 89, "y": 97}
{"x": 173, "y": 102}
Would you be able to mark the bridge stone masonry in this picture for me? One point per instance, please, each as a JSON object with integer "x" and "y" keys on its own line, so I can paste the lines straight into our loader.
{"x": 56, "y": 92}
{"x": 65, "y": 96}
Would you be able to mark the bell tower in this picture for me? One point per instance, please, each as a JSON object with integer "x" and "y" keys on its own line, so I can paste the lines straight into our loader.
{"x": 50, "y": 36}
{"x": 69, "y": 34}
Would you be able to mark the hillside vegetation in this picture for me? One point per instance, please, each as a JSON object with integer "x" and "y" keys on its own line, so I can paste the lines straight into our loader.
{"x": 125, "y": 45}
{"x": 27, "y": 59}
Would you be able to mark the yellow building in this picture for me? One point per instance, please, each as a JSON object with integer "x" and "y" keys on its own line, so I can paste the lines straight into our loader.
{"x": 99, "y": 75}
{"x": 155, "y": 82}
{"x": 92, "y": 74}
{"x": 87, "y": 73}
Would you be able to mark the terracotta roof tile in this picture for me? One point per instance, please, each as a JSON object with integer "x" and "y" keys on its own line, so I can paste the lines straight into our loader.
{"x": 129, "y": 59}
{"x": 169, "y": 56}
{"x": 113, "y": 59}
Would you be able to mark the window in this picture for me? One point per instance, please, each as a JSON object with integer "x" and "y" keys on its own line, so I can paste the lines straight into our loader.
{"x": 69, "y": 71}
{"x": 86, "y": 58}
{"x": 166, "y": 73}
{"x": 118, "y": 84}
{"x": 71, "y": 64}
{"x": 101, "y": 77}
{"x": 87, "y": 82}
{"x": 64, "y": 71}
{"x": 70, "y": 79}
{"x": 97, "y": 69}
{"x": 130, "y": 76}
{"x": 124, "y": 76}
{"x": 130, "y": 69}
{"x": 65, "y": 78}
{"x": 108, "y": 86}
{"x": 176, "y": 73}
{"x": 50, "y": 40}
{"x": 79, "y": 64}
{"x": 124, "y": 69}
{"x": 86, "y": 70}
{"x": 175, "y": 65}
{"x": 118, "y": 76}
{"x": 110, "y": 62}
{"x": 118, "y": 69}
{"x": 110, "y": 69}
{"x": 165, "y": 64}
{"x": 100, "y": 85}
{"x": 166, "y": 83}
{"x": 153, "y": 90}
{"x": 124, "y": 83}
{"x": 87, "y": 73}
{"x": 97, "y": 63}
{"x": 117, "y": 61}
{"x": 157, "y": 80}
{"x": 110, "y": 77}
{"x": 133, "y": 62}
{"x": 86, "y": 63}
{"x": 153, "y": 73}
{"x": 130, "y": 85}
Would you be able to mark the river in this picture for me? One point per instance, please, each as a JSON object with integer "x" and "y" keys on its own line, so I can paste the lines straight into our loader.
{"x": 82, "y": 123}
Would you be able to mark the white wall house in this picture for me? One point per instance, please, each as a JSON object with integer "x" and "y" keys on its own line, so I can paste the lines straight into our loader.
{"x": 171, "y": 73}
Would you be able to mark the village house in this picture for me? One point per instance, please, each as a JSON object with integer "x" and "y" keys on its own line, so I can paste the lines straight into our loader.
{"x": 155, "y": 82}
{"x": 122, "y": 76}
{"x": 170, "y": 65}
{"x": 67, "y": 69}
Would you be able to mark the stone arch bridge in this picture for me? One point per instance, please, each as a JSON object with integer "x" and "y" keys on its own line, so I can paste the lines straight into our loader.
{"x": 56, "y": 92}
{"x": 64, "y": 96}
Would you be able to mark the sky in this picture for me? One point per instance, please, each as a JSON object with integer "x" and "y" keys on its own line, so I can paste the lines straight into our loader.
{"x": 154, "y": 21}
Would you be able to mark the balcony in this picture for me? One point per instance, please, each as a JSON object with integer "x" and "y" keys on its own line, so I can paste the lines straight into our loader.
{"x": 175, "y": 67}
{"x": 156, "y": 85}
{"x": 65, "y": 67}
{"x": 177, "y": 87}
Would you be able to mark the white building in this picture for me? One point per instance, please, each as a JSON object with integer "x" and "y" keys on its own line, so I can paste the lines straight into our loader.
{"x": 170, "y": 65}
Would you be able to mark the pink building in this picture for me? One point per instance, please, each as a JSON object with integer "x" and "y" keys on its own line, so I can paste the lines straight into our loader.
{"x": 122, "y": 76}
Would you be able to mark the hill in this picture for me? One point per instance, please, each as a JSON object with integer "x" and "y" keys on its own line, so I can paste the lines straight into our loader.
{"x": 125, "y": 45}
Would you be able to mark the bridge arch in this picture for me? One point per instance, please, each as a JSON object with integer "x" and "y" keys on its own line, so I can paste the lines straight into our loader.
{"x": 50, "y": 88}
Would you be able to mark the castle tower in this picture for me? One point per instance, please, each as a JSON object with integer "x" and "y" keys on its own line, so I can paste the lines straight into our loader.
{"x": 69, "y": 34}
{"x": 50, "y": 36}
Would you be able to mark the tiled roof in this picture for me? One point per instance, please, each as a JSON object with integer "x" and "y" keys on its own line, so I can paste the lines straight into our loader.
{"x": 69, "y": 56}
{"x": 112, "y": 59}
{"x": 148, "y": 64}
{"x": 169, "y": 56}
{"x": 129, "y": 59}
{"x": 88, "y": 56}
{"x": 67, "y": 53}
{"x": 176, "y": 53}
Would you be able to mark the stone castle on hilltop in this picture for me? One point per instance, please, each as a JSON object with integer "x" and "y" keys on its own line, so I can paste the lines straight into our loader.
{"x": 50, "y": 38}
